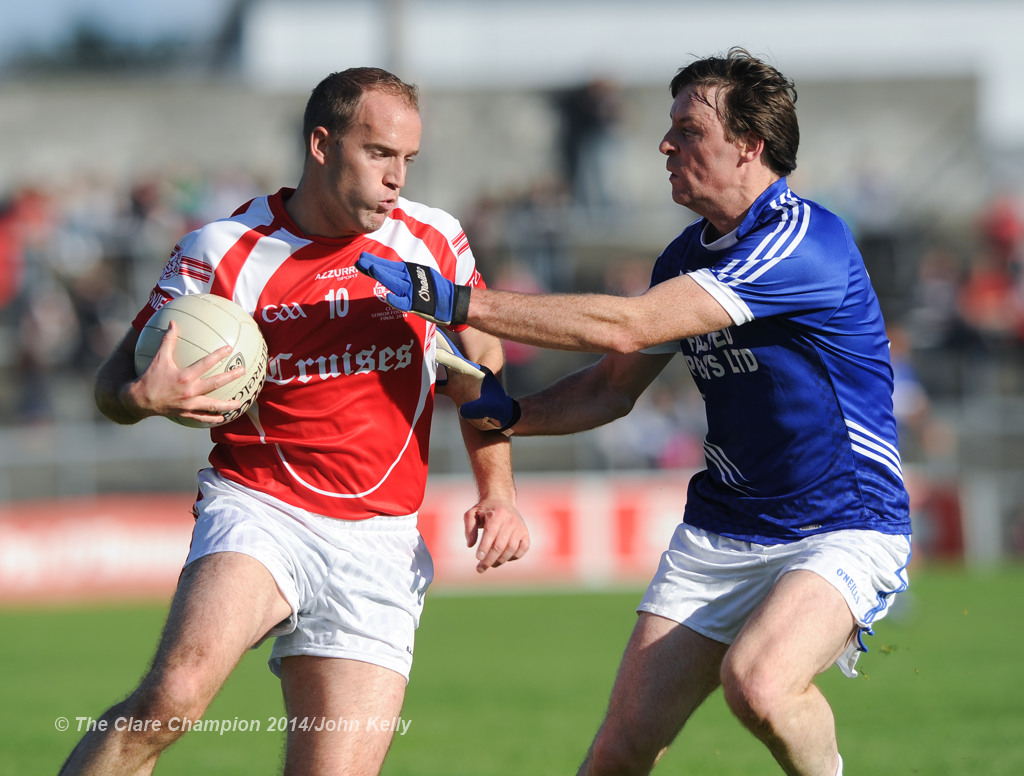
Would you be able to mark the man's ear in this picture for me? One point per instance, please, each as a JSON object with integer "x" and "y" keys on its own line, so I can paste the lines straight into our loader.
{"x": 319, "y": 141}
{"x": 751, "y": 147}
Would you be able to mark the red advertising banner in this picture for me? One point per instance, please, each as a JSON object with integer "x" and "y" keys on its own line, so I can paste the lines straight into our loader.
{"x": 585, "y": 530}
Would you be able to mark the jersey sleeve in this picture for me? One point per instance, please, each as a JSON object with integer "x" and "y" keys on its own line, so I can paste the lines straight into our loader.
{"x": 466, "y": 272}
{"x": 188, "y": 271}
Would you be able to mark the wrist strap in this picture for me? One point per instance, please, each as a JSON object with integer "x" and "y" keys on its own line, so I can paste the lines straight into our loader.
{"x": 460, "y": 304}
{"x": 517, "y": 413}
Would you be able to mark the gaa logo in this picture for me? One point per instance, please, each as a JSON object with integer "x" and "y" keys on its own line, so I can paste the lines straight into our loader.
{"x": 380, "y": 292}
{"x": 274, "y": 313}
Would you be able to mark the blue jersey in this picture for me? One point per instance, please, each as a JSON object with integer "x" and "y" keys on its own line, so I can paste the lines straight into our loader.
{"x": 801, "y": 432}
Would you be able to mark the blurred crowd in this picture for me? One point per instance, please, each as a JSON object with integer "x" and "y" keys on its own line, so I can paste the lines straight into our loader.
{"x": 76, "y": 262}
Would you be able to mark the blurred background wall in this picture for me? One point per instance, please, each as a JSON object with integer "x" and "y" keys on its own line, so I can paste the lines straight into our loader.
{"x": 542, "y": 122}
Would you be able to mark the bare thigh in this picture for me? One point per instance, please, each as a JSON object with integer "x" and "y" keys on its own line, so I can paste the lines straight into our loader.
{"x": 224, "y": 604}
{"x": 796, "y": 633}
{"x": 341, "y": 714}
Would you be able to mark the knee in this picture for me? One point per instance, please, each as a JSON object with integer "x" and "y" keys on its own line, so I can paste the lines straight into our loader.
{"x": 166, "y": 705}
{"x": 751, "y": 695}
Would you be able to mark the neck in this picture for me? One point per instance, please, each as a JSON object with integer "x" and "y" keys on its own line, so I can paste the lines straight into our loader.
{"x": 730, "y": 214}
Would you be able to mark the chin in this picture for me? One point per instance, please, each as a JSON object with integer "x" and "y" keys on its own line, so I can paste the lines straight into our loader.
{"x": 375, "y": 222}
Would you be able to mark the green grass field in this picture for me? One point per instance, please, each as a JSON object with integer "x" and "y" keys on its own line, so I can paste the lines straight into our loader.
{"x": 518, "y": 683}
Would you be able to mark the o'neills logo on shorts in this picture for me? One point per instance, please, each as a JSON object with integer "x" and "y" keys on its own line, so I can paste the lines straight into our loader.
{"x": 424, "y": 292}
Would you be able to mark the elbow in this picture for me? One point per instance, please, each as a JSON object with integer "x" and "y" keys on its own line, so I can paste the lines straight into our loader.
{"x": 632, "y": 331}
{"x": 622, "y": 408}
{"x": 626, "y": 340}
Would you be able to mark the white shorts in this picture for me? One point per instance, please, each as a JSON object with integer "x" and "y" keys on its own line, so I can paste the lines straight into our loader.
{"x": 356, "y": 587}
{"x": 712, "y": 584}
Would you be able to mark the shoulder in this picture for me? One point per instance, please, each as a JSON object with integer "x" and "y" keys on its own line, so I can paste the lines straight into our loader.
{"x": 438, "y": 232}
{"x": 783, "y": 225}
{"x": 416, "y": 212}
{"x": 211, "y": 237}
{"x": 803, "y": 216}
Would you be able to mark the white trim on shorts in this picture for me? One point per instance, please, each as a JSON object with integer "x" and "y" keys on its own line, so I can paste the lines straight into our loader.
{"x": 355, "y": 587}
{"x": 712, "y": 584}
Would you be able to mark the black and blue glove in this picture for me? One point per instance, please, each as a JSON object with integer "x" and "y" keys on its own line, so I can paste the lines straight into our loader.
{"x": 418, "y": 289}
{"x": 493, "y": 410}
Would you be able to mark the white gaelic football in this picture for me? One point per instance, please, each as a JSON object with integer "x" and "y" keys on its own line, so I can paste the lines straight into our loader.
{"x": 207, "y": 322}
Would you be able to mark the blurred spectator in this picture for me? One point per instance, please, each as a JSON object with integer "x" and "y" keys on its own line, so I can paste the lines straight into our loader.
{"x": 986, "y": 301}
{"x": 47, "y": 332}
{"x": 526, "y": 228}
{"x": 588, "y": 143}
{"x": 151, "y": 225}
{"x": 1001, "y": 227}
{"x": 922, "y": 436}
{"x": 933, "y": 319}
{"x": 12, "y": 254}
{"x": 536, "y": 234}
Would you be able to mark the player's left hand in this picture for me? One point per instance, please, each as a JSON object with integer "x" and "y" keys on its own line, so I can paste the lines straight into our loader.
{"x": 501, "y": 530}
{"x": 494, "y": 410}
{"x": 419, "y": 289}
{"x": 480, "y": 396}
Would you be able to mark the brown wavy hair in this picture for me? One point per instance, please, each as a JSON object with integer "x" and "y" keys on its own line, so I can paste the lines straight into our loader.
{"x": 752, "y": 97}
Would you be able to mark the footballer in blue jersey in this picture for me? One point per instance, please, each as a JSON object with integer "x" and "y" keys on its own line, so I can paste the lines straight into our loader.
{"x": 801, "y": 432}
{"x": 796, "y": 538}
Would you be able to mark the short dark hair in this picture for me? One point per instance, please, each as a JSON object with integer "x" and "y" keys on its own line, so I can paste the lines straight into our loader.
{"x": 335, "y": 99}
{"x": 752, "y": 97}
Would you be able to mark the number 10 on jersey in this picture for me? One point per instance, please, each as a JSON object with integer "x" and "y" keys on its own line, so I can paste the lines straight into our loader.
{"x": 337, "y": 301}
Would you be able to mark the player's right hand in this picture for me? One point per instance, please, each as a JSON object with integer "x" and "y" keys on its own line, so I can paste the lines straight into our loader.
{"x": 168, "y": 390}
{"x": 498, "y": 531}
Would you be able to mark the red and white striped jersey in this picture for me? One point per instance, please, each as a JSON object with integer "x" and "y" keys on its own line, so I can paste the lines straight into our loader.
{"x": 342, "y": 425}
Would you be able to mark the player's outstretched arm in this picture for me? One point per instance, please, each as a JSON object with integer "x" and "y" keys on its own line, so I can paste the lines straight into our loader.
{"x": 596, "y": 323}
{"x": 590, "y": 397}
{"x": 163, "y": 389}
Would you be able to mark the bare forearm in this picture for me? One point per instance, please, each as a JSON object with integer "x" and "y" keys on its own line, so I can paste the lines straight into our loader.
{"x": 600, "y": 323}
{"x": 490, "y": 458}
{"x": 493, "y": 524}
{"x": 578, "y": 322}
{"x": 112, "y": 389}
{"x": 591, "y": 397}
{"x": 569, "y": 406}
